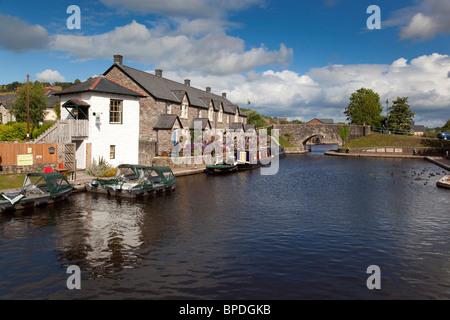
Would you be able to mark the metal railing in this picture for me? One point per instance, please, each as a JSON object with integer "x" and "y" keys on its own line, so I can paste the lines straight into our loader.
{"x": 384, "y": 130}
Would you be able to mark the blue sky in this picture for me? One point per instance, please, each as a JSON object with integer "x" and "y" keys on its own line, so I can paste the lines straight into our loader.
{"x": 301, "y": 59}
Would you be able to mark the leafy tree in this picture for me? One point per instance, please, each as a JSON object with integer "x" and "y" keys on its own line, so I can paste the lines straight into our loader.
{"x": 446, "y": 127}
{"x": 400, "y": 115}
{"x": 344, "y": 133}
{"x": 253, "y": 117}
{"x": 364, "y": 108}
{"x": 38, "y": 104}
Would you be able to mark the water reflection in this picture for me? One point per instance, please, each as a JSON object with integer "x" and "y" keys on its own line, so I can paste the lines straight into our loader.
{"x": 311, "y": 231}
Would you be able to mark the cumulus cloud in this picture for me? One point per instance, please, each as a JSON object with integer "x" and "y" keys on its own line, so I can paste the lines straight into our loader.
{"x": 50, "y": 76}
{"x": 215, "y": 53}
{"x": 423, "y": 21}
{"x": 19, "y": 36}
{"x": 324, "y": 92}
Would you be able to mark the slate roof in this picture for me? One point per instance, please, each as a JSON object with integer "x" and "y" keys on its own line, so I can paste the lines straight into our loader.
{"x": 7, "y": 100}
{"x": 236, "y": 126}
{"x": 418, "y": 128}
{"x": 204, "y": 121}
{"x": 248, "y": 127}
{"x": 166, "y": 122}
{"x": 100, "y": 84}
{"x": 326, "y": 121}
{"x": 172, "y": 91}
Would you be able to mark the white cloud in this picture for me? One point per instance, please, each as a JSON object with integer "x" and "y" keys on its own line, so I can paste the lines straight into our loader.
{"x": 214, "y": 53}
{"x": 50, "y": 76}
{"x": 324, "y": 92}
{"x": 423, "y": 21}
{"x": 18, "y": 36}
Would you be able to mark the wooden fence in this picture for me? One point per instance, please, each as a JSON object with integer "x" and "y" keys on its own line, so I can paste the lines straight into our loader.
{"x": 24, "y": 154}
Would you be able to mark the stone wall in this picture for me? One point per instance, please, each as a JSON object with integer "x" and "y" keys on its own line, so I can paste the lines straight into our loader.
{"x": 425, "y": 152}
{"x": 39, "y": 167}
{"x": 147, "y": 151}
{"x": 300, "y": 133}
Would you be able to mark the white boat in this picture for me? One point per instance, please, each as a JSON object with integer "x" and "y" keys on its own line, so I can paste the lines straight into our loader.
{"x": 444, "y": 182}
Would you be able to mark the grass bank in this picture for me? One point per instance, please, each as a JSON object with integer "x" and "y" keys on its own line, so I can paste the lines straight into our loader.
{"x": 11, "y": 181}
{"x": 285, "y": 143}
{"x": 386, "y": 140}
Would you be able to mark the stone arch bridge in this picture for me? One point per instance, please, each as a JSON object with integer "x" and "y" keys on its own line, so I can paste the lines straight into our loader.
{"x": 300, "y": 134}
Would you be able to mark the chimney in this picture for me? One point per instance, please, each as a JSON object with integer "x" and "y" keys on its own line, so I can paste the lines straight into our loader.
{"x": 187, "y": 82}
{"x": 208, "y": 89}
{"x": 158, "y": 72}
{"x": 224, "y": 95}
{"x": 118, "y": 59}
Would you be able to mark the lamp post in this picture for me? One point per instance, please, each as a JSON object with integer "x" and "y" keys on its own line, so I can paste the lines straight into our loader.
{"x": 28, "y": 107}
{"x": 387, "y": 112}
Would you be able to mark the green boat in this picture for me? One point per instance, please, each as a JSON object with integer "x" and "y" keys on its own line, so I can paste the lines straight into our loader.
{"x": 38, "y": 189}
{"x": 222, "y": 168}
{"x": 134, "y": 181}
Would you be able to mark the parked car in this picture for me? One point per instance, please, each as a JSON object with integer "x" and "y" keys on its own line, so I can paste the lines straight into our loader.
{"x": 444, "y": 136}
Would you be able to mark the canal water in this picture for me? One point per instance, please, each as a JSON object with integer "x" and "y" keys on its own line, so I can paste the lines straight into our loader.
{"x": 309, "y": 232}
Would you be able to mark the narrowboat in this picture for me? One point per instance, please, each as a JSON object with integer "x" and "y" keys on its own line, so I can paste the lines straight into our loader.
{"x": 38, "y": 189}
{"x": 134, "y": 181}
{"x": 248, "y": 160}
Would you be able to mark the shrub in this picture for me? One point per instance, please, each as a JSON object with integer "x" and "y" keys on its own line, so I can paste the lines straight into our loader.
{"x": 100, "y": 168}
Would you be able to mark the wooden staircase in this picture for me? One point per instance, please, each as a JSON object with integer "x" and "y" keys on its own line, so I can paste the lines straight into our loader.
{"x": 65, "y": 131}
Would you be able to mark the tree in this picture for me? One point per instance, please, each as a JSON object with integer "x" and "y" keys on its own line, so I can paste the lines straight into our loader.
{"x": 400, "y": 116}
{"x": 253, "y": 117}
{"x": 38, "y": 103}
{"x": 344, "y": 133}
{"x": 446, "y": 127}
{"x": 364, "y": 108}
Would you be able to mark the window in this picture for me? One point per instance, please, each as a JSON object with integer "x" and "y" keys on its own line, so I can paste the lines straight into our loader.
{"x": 220, "y": 116}
{"x": 169, "y": 108}
{"x": 112, "y": 152}
{"x": 228, "y": 118}
{"x": 210, "y": 114}
{"x": 236, "y": 117}
{"x": 115, "y": 111}
{"x": 184, "y": 110}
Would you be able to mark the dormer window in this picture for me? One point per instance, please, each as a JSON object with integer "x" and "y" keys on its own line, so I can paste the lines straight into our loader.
{"x": 210, "y": 114}
{"x": 184, "y": 110}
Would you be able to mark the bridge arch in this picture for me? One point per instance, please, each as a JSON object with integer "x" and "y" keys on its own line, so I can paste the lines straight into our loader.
{"x": 299, "y": 134}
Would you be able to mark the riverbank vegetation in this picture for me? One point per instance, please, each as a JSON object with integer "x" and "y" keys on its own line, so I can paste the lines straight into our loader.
{"x": 11, "y": 181}
{"x": 386, "y": 140}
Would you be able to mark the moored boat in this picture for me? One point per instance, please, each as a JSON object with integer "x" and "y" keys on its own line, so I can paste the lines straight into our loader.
{"x": 38, "y": 189}
{"x": 444, "y": 182}
{"x": 221, "y": 168}
{"x": 134, "y": 181}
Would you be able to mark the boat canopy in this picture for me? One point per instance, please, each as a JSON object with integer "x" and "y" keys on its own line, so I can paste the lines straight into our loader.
{"x": 55, "y": 181}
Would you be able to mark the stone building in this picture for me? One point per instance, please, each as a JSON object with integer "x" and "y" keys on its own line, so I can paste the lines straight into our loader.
{"x": 5, "y": 108}
{"x": 156, "y": 107}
